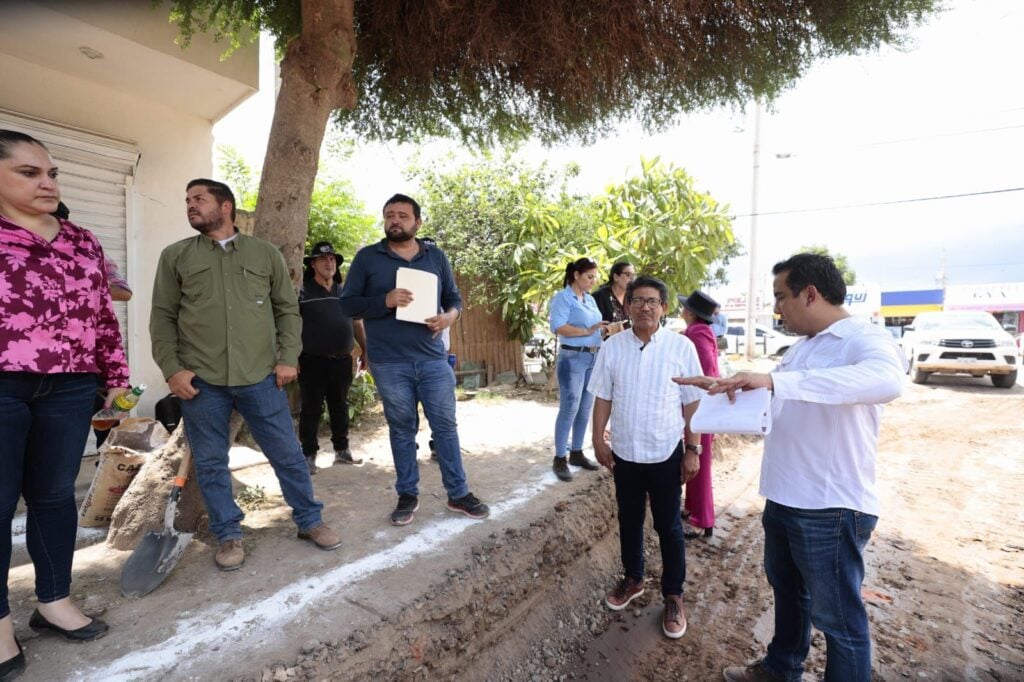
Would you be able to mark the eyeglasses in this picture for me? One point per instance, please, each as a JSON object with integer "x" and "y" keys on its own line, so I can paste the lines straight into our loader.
{"x": 646, "y": 302}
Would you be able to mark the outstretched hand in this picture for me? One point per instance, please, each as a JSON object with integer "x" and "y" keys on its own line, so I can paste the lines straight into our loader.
{"x": 740, "y": 381}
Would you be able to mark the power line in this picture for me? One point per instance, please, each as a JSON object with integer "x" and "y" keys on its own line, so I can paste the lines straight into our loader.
{"x": 880, "y": 203}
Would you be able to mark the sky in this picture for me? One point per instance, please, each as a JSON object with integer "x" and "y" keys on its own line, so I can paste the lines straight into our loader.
{"x": 846, "y": 156}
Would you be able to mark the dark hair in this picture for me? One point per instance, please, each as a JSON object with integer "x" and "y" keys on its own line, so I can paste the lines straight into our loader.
{"x": 219, "y": 190}
{"x": 403, "y": 199}
{"x": 62, "y": 211}
{"x": 9, "y": 138}
{"x": 650, "y": 282}
{"x": 579, "y": 265}
{"x": 805, "y": 269}
{"x": 617, "y": 270}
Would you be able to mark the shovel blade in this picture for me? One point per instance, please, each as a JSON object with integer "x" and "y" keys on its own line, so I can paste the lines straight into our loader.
{"x": 152, "y": 561}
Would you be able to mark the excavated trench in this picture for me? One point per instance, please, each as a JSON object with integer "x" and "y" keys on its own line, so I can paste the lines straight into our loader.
{"x": 526, "y": 598}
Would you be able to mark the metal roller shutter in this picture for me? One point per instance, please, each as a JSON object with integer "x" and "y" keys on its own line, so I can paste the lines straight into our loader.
{"x": 95, "y": 173}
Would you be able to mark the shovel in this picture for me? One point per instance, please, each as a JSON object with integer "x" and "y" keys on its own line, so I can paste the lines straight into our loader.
{"x": 158, "y": 552}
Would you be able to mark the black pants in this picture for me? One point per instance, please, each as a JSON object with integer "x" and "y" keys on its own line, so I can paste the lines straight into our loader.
{"x": 322, "y": 378}
{"x": 660, "y": 482}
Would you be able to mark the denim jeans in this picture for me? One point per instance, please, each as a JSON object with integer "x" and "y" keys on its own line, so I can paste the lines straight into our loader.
{"x": 265, "y": 409}
{"x": 574, "y": 400}
{"x": 431, "y": 383}
{"x": 44, "y": 423}
{"x": 322, "y": 378}
{"x": 814, "y": 562}
{"x": 661, "y": 484}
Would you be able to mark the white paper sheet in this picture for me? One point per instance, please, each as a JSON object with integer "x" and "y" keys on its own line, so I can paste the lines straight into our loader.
{"x": 750, "y": 414}
{"x": 423, "y": 286}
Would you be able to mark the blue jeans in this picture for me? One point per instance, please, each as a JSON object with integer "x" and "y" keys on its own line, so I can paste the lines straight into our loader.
{"x": 265, "y": 409}
{"x": 574, "y": 400}
{"x": 44, "y": 423}
{"x": 660, "y": 483}
{"x": 431, "y": 383}
{"x": 814, "y": 562}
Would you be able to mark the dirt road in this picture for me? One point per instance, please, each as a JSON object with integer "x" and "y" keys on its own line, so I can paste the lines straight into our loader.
{"x": 945, "y": 580}
{"x": 518, "y": 596}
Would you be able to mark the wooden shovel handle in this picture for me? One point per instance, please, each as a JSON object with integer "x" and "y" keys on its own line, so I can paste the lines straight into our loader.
{"x": 186, "y": 462}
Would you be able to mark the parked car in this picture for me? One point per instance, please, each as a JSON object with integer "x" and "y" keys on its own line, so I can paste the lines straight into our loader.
{"x": 767, "y": 341}
{"x": 955, "y": 342}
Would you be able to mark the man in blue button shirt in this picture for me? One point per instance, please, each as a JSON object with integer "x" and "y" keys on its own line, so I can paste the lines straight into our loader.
{"x": 407, "y": 359}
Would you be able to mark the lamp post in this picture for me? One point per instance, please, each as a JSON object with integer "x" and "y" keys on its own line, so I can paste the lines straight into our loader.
{"x": 752, "y": 282}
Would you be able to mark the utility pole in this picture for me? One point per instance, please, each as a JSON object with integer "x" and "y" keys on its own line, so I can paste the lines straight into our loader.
{"x": 752, "y": 283}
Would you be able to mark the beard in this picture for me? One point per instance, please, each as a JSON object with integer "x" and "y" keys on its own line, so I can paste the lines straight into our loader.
{"x": 204, "y": 225}
{"x": 398, "y": 235}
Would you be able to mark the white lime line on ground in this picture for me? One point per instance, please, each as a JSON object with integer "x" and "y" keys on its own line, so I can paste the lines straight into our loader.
{"x": 86, "y": 536}
{"x": 207, "y": 634}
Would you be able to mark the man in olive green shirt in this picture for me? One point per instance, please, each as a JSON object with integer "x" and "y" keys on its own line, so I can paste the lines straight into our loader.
{"x": 226, "y": 333}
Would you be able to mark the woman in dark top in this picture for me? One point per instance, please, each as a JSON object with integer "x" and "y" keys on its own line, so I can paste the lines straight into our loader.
{"x": 610, "y": 296}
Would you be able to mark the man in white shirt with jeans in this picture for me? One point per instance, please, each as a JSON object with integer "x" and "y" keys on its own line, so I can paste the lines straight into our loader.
{"x": 818, "y": 470}
{"x": 632, "y": 385}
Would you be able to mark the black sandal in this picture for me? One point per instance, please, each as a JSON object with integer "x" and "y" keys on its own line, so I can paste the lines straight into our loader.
{"x": 697, "y": 532}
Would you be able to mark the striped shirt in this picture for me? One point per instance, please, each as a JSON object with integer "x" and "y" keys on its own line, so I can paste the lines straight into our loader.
{"x": 647, "y": 417}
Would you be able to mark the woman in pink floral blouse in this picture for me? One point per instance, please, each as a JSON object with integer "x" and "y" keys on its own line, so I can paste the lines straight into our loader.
{"x": 58, "y": 333}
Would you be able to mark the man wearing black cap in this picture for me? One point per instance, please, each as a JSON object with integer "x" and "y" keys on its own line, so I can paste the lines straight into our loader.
{"x": 326, "y": 361}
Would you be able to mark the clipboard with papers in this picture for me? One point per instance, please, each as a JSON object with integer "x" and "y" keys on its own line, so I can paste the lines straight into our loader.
{"x": 423, "y": 286}
{"x": 751, "y": 414}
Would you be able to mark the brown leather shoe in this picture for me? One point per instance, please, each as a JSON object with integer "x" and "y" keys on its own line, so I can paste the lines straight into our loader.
{"x": 322, "y": 536}
{"x": 673, "y": 621}
{"x": 625, "y": 591}
{"x": 753, "y": 672}
{"x": 230, "y": 555}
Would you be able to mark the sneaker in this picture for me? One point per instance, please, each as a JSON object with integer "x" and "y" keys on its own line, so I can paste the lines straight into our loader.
{"x": 561, "y": 468}
{"x": 322, "y": 536}
{"x": 673, "y": 622}
{"x": 230, "y": 555}
{"x": 578, "y": 459}
{"x": 470, "y": 506}
{"x": 311, "y": 463}
{"x": 625, "y": 591}
{"x": 754, "y": 672}
{"x": 406, "y": 509}
{"x": 345, "y": 457}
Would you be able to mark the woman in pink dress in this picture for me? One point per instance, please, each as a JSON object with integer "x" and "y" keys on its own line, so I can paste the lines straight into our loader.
{"x": 698, "y": 312}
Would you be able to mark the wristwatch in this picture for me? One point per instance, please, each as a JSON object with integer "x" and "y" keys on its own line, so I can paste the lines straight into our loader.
{"x": 695, "y": 449}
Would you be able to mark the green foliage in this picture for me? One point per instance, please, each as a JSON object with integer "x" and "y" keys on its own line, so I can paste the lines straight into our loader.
{"x": 335, "y": 214}
{"x": 252, "y": 497}
{"x": 239, "y": 176}
{"x": 661, "y": 223}
{"x": 510, "y": 230}
{"x": 556, "y": 68}
{"x": 849, "y": 274}
{"x": 361, "y": 396}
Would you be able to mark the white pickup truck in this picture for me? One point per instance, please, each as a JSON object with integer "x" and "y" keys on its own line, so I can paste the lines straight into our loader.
{"x": 960, "y": 342}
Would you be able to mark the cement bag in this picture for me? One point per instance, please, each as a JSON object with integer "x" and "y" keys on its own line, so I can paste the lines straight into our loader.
{"x": 121, "y": 457}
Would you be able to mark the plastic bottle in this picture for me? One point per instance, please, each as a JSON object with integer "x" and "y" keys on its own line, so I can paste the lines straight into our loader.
{"x": 109, "y": 417}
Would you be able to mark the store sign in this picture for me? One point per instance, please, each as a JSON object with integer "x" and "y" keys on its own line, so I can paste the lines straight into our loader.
{"x": 990, "y": 297}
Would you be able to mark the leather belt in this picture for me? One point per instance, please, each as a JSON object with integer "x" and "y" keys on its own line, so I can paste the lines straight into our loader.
{"x": 581, "y": 349}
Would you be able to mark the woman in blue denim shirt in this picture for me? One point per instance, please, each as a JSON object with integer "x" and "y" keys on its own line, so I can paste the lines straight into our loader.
{"x": 575, "y": 318}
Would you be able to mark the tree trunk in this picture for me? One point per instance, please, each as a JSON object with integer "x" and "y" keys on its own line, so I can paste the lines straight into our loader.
{"x": 316, "y": 79}
{"x": 141, "y": 508}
